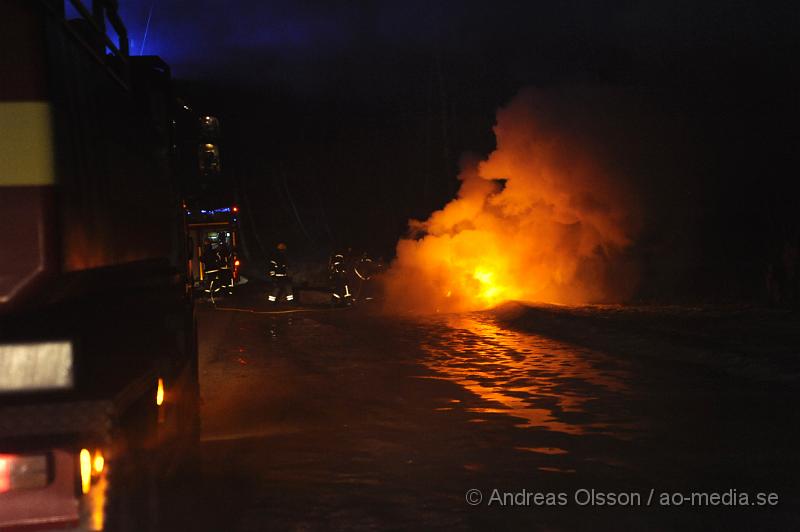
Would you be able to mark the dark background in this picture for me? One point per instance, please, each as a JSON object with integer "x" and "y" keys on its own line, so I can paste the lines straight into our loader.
{"x": 340, "y": 122}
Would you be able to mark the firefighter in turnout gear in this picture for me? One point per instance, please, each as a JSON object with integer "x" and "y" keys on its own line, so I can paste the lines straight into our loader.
{"x": 365, "y": 269}
{"x": 279, "y": 276}
{"x": 223, "y": 251}
{"x": 339, "y": 274}
{"x": 209, "y": 258}
{"x": 216, "y": 274}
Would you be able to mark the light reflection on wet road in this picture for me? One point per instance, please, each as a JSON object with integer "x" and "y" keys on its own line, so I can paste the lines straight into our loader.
{"x": 331, "y": 420}
{"x": 543, "y": 382}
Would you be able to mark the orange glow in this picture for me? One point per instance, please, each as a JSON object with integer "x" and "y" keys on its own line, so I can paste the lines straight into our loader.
{"x": 235, "y": 208}
{"x": 86, "y": 470}
{"x": 96, "y": 505}
{"x": 98, "y": 463}
{"x": 236, "y": 262}
{"x": 489, "y": 290}
{"x": 160, "y": 392}
{"x": 542, "y": 218}
{"x": 521, "y": 375}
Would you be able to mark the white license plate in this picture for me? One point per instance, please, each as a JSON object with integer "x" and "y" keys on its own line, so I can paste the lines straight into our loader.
{"x": 36, "y": 366}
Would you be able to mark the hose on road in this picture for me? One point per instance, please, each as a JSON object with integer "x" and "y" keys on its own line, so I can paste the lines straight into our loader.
{"x": 291, "y": 311}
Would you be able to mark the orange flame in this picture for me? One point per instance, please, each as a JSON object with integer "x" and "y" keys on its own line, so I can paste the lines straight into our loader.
{"x": 539, "y": 220}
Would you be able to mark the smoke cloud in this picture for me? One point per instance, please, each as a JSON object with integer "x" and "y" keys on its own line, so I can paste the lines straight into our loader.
{"x": 548, "y": 216}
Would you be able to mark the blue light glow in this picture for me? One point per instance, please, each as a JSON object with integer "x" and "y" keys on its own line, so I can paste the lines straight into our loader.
{"x": 221, "y": 210}
{"x": 202, "y": 46}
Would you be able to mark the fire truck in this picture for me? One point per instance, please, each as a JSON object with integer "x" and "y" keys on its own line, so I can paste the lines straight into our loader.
{"x": 213, "y": 216}
{"x": 98, "y": 349}
{"x": 215, "y": 232}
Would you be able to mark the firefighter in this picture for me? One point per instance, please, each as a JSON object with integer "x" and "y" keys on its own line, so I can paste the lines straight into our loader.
{"x": 279, "y": 275}
{"x": 212, "y": 264}
{"x": 365, "y": 270}
{"x": 210, "y": 259}
{"x": 339, "y": 274}
{"x": 223, "y": 251}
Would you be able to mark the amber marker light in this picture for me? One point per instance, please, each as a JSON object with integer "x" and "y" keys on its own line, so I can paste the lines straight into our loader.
{"x": 86, "y": 470}
{"x": 98, "y": 462}
{"x": 160, "y": 392}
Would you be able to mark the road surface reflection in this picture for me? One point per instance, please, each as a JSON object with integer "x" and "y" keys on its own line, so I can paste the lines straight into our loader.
{"x": 546, "y": 383}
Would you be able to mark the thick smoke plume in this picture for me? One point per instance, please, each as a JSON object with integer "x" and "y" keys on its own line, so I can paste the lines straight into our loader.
{"x": 545, "y": 218}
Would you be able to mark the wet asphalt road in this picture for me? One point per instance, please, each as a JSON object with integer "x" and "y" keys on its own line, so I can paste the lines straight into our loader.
{"x": 350, "y": 419}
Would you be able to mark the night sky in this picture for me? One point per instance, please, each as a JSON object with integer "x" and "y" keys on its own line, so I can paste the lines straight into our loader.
{"x": 340, "y": 122}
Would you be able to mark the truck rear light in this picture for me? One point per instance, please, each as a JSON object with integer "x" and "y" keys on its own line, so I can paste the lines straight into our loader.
{"x": 36, "y": 366}
{"x": 85, "y": 459}
{"x": 23, "y": 472}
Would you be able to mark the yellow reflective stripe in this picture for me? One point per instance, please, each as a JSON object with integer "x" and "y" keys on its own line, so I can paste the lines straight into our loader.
{"x": 26, "y": 144}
